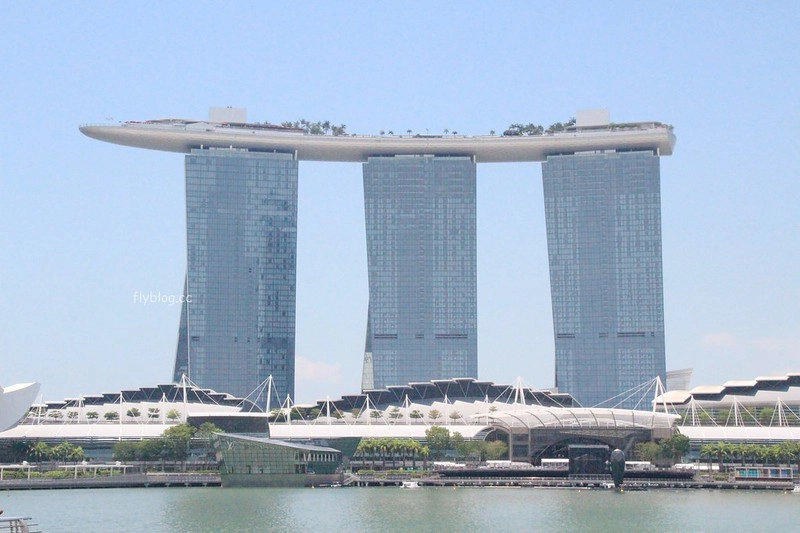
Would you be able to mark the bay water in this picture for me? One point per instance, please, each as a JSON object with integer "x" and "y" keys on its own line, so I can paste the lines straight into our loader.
{"x": 434, "y": 509}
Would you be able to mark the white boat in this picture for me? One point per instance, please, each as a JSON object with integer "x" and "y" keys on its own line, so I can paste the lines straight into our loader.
{"x": 15, "y": 401}
{"x": 796, "y": 489}
{"x": 410, "y": 485}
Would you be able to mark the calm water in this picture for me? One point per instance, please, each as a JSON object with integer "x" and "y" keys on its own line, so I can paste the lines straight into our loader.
{"x": 395, "y": 509}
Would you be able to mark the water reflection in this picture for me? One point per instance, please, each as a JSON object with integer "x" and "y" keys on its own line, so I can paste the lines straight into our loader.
{"x": 394, "y": 509}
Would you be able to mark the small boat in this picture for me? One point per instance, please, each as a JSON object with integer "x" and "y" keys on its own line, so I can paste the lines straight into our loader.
{"x": 796, "y": 489}
{"x": 410, "y": 485}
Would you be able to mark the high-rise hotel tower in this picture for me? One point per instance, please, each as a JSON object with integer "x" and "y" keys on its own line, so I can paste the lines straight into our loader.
{"x": 603, "y": 217}
{"x": 602, "y": 206}
{"x": 238, "y": 318}
{"x": 421, "y": 258}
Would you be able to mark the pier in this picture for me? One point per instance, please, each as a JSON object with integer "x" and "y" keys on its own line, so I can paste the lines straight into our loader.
{"x": 169, "y": 479}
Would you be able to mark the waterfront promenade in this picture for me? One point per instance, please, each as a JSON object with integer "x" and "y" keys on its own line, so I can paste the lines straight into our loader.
{"x": 168, "y": 479}
{"x": 582, "y": 482}
{"x": 431, "y": 480}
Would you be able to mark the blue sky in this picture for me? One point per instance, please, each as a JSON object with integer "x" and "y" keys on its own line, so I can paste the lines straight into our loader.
{"x": 84, "y": 224}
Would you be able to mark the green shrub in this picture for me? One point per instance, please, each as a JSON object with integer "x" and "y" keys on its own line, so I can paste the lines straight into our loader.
{"x": 58, "y": 474}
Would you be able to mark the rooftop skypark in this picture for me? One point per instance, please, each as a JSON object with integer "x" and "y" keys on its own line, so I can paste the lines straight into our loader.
{"x": 312, "y": 141}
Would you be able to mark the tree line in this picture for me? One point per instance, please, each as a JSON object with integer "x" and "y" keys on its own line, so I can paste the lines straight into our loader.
{"x": 537, "y": 129}
{"x": 153, "y": 414}
{"x": 439, "y": 442}
{"x": 173, "y": 445}
{"x": 671, "y": 449}
{"x": 324, "y": 127}
{"x": 40, "y": 451}
{"x": 784, "y": 452}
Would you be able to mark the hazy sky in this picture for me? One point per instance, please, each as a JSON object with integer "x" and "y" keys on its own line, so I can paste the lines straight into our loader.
{"x": 84, "y": 225}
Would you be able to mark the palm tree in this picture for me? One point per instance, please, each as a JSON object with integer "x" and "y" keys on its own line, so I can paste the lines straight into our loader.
{"x": 720, "y": 450}
{"x": 424, "y": 451}
{"x": 367, "y": 448}
{"x": 40, "y": 451}
{"x": 751, "y": 451}
{"x": 414, "y": 449}
{"x": 387, "y": 451}
{"x": 791, "y": 449}
{"x": 406, "y": 449}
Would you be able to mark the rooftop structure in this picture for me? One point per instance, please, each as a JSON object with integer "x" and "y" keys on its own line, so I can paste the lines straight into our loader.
{"x": 97, "y": 421}
{"x": 475, "y": 409}
{"x": 180, "y": 135}
{"x": 441, "y": 390}
{"x": 764, "y": 390}
{"x": 764, "y": 410}
{"x": 531, "y": 429}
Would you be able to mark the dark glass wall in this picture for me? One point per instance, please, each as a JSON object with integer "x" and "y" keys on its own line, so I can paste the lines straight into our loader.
{"x": 241, "y": 217}
{"x": 421, "y": 254}
{"x": 603, "y": 216}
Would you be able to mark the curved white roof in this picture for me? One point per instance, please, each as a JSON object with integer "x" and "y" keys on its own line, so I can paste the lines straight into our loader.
{"x": 741, "y": 433}
{"x": 760, "y": 390}
{"x": 584, "y": 417}
{"x": 473, "y": 418}
{"x": 96, "y": 431}
{"x": 182, "y": 136}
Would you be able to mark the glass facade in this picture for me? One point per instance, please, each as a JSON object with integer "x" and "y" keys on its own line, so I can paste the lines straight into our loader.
{"x": 603, "y": 217}
{"x": 246, "y": 460}
{"x": 238, "y": 321}
{"x": 421, "y": 255}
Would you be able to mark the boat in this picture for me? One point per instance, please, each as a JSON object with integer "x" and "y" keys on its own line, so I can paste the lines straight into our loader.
{"x": 410, "y": 485}
{"x": 796, "y": 489}
{"x": 15, "y": 401}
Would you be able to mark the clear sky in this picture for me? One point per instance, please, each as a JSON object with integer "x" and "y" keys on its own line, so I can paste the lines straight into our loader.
{"x": 84, "y": 225}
